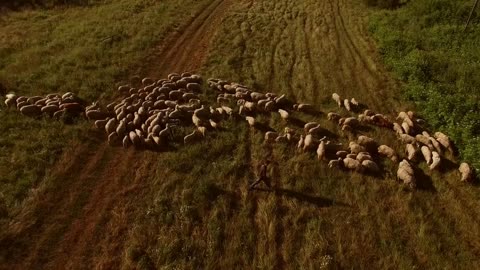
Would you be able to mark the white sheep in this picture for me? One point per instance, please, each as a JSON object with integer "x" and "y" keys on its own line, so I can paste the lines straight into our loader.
{"x": 436, "y": 145}
{"x": 284, "y": 114}
{"x": 213, "y": 124}
{"x": 308, "y": 142}
{"x": 346, "y": 103}
{"x": 443, "y": 139}
{"x": 354, "y": 102}
{"x": 406, "y": 128}
{"x": 341, "y": 154}
{"x": 398, "y": 129}
{"x": 310, "y": 125}
{"x": 303, "y": 107}
{"x": 370, "y": 166}
{"x": 270, "y": 136}
{"x": 321, "y": 150}
{"x": 388, "y": 152}
{"x": 466, "y": 172}
{"x": 355, "y": 148}
{"x": 333, "y": 116}
{"x": 405, "y": 138}
{"x": 423, "y": 140}
{"x": 192, "y": 137}
{"x": 435, "y": 160}
{"x": 406, "y": 174}
{"x": 250, "y": 120}
{"x": 335, "y": 163}
{"x": 411, "y": 151}
{"x": 363, "y": 156}
{"x": 111, "y": 126}
{"x": 366, "y": 141}
{"x": 427, "y": 154}
{"x": 351, "y": 164}
{"x": 300, "y": 142}
{"x": 337, "y": 99}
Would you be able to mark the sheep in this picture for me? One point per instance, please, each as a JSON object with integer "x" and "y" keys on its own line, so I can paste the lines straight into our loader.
{"x": 300, "y": 142}
{"x": 402, "y": 115}
{"x": 10, "y": 102}
{"x": 316, "y": 130}
{"x": 335, "y": 163}
{"x": 222, "y": 100}
{"x": 49, "y": 109}
{"x": 388, "y": 152}
{"x": 423, "y": 140}
{"x": 227, "y": 110}
{"x": 427, "y": 154}
{"x": 405, "y": 138}
{"x": 411, "y": 151}
{"x": 164, "y": 133}
{"x": 354, "y": 102}
{"x": 333, "y": 116}
{"x": 250, "y": 120}
{"x": 346, "y": 103}
{"x": 192, "y": 137}
{"x": 366, "y": 141}
{"x": 436, "y": 145}
{"x": 281, "y": 100}
{"x": 466, "y": 172}
{"x": 100, "y": 124}
{"x": 398, "y": 129}
{"x": 270, "y": 106}
{"x": 202, "y": 130}
{"x": 213, "y": 124}
{"x": 113, "y": 139}
{"x": 406, "y": 127}
{"x": 341, "y": 154}
{"x": 308, "y": 142}
{"x": 321, "y": 150}
{"x": 364, "y": 119}
{"x": 303, "y": 107}
{"x": 309, "y": 126}
{"x": 121, "y": 128}
{"x": 111, "y": 125}
{"x": 444, "y": 140}
{"x": 281, "y": 139}
{"x": 126, "y": 141}
{"x": 363, "y": 156}
{"x": 368, "y": 113}
{"x": 351, "y": 121}
{"x": 370, "y": 166}
{"x": 30, "y": 110}
{"x": 353, "y": 156}
{"x": 435, "y": 160}
{"x": 270, "y": 136}
{"x": 406, "y": 174}
{"x": 256, "y": 96}
{"x": 337, "y": 99}
{"x": 194, "y": 87}
{"x": 355, "y": 148}
{"x": 196, "y": 120}
{"x": 351, "y": 164}
{"x": 284, "y": 114}
{"x": 289, "y": 133}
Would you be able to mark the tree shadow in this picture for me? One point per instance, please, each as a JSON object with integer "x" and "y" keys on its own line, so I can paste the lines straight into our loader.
{"x": 313, "y": 112}
{"x": 447, "y": 165}
{"x": 315, "y": 200}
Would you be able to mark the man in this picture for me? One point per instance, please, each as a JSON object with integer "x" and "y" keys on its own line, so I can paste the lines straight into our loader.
{"x": 262, "y": 176}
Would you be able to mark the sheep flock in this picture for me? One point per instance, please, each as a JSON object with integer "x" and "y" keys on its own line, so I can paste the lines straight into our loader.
{"x": 148, "y": 111}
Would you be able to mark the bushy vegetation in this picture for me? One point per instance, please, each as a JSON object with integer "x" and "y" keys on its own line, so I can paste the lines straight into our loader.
{"x": 424, "y": 44}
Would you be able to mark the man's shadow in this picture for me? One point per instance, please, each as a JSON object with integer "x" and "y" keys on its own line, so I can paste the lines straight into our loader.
{"x": 315, "y": 200}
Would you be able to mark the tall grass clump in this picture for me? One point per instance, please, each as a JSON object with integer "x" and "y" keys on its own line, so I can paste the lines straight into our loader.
{"x": 424, "y": 44}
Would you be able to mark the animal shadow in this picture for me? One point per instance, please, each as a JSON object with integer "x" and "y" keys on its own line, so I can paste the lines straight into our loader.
{"x": 424, "y": 182}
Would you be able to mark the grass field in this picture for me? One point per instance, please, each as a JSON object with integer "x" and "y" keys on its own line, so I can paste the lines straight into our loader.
{"x": 108, "y": 207}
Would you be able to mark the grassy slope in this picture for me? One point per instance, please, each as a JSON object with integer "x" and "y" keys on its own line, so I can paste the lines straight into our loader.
{"x": 201, "y": 215}
{"x": 423, "y": 43}
{"x": 85, "y": 50}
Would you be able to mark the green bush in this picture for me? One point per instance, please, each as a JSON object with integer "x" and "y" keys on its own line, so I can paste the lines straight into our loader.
{"x": 423, "y": 43}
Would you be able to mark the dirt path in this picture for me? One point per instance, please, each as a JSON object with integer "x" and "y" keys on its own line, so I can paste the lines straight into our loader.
{"x": 84, "y": 223}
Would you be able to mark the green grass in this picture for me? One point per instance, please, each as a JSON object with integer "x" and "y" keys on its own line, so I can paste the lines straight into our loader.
{"x": 424, "y": 44}
{"x": 87, "y": 50}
